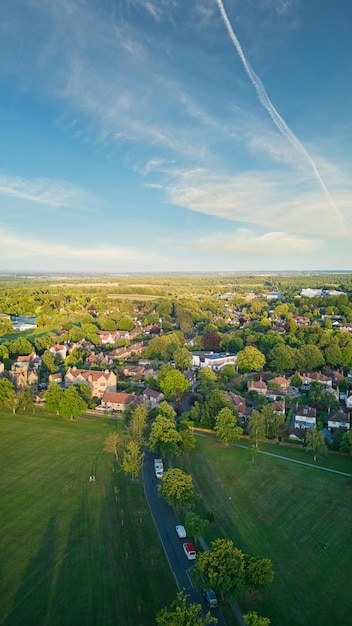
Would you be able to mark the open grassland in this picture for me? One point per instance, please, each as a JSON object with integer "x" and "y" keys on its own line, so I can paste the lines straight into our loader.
{"x": 281, "y": 510}
{"x": 73, "y": 552}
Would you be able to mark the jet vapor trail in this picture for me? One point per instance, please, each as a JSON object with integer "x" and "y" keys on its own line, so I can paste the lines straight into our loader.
{"x": 275, "y": 116}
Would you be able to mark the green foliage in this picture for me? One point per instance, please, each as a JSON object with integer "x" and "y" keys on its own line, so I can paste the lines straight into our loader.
{"x": 71, "y": 404}
{"x": 6, "y": 388}
{"x": 226, "y": 426}
{"x": 250, "y": 359}
{"x": 164, "y": 437}
{"x": 182, "y": 613}
{"x": 223, "y": 567}
{"x": 6, "y": 326}
{"x": 177, "y": 489}
{"x": 173, "y": 382}
{"x": 253, "y": 619}
{"x": 195, "y": 525}
{"x": 53, "y": 397}
{"x": 132, "y": 459}
{"x": 315, "y": 443}
{"x": 256, "y": 427}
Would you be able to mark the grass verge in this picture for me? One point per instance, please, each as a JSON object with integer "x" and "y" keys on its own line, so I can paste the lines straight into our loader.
{"x": 285, "y": 511}
{"x": 73, "y": 552}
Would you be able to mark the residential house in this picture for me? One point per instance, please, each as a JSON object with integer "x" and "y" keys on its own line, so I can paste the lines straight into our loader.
{"x": 302, "y": 320}
{"x": 318, "y": 377}
{"x": 98, "y": 381}
{"x": 340, "y": 419}
{"x": 59, "y": 350}
{"x": 213, "y": 360}
{"x": 348, "y": 401}
{"x": 279, "y": 407}
{"x": 240, "y": 405}
{"x": 279, "y": 381}
{"x": 134, "y": 371}
{"x": 273, "y": 392}
{"x": 98, "y": 360}
{"x": 55, "y": 378}
{"x": 257, "y": 385}
{"x": 305, "y": 417}
{"x": 24, "y": 376}
{"x": 32, "y": 360}
{"x": 118, "y": 401}
{"x": 152, "y": 398}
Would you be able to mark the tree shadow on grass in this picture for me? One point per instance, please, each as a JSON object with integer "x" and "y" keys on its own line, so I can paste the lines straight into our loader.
{"x": 31, "y": 603}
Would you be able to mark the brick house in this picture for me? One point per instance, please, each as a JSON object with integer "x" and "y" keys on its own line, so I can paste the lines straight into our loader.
{"x": 118, "y": 401}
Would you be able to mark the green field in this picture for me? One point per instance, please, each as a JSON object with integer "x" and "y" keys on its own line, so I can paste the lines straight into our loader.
{"x": 278, "y": 509}
{"x": 73, "y": 552}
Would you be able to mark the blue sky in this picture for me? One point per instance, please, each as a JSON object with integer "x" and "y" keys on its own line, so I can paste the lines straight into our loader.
{"x": 168, "y": 135}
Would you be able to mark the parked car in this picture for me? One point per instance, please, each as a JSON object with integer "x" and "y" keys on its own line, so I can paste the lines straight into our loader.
{"x": 181, "y": 531}
{"x": 189, "y": 551}
{"x": 210, "y": 598}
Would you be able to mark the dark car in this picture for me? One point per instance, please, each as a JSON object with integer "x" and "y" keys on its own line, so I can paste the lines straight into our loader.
{"x": 210, "y": 598}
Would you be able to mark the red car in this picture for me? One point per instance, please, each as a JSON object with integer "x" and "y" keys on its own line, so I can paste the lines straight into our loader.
{"x": 189, "y": 551}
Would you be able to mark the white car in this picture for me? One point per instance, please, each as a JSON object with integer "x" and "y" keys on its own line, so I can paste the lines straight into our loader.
{"x": 189, "y": 551}
{"x": 181, "y": 531}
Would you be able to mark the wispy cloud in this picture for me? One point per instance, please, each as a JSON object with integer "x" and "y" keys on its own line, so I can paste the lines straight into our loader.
{"x": 260, "y": 198}
{"x": 268, "y": 105}
{"x": 51, "y": 193}
{"x": 244, "y": 241}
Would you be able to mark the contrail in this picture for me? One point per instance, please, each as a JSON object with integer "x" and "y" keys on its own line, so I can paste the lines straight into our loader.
{"x": 275, "y": 116}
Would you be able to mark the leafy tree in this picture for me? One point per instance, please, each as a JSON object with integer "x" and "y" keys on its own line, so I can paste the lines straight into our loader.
{"x": 125, "y": 323}
{"x": 12, "y": 400}
{"x": 164, "y": 437}
{"x": 188, "y": 440}
{"x": 333, "y": 355}
{"x": 53, "y": 397}
{"x": 132, "y": 459}
{"x": 137, "y": 424}
{"x": 223, "y": 566}
{"x": 48, "y": 360}
{"x": 211, "y": 341}
{"x": 226, "y": 426}
{"x": 259, "y": 573}
{"x": 6, "y": 388}
{"x": 6, "y": 326}
{"x": 195, "y": 525}
{"x": 71, "y": 404}
{"x": 253, "y": 619}
{"x": 272, "y": 420}
{"x": 228, "y": 373}
{"x": 182, "y": 614}
{"x": 174, "y": 381}
{"x": 182, "y": 358}
{"x": 256, "y": 427}
{"x": 207, "y": 379}
{"x": 309, "y": 357}
{"x": 26, "y": 400}
{"x": 177, "y": 489}
{"x": 296, "y": 380}
{"x": 20, "y": 346}
{"x": 165, "y": 409}
{"x": 281, "y": 358}
{"x": 250, "y": 359}
{"x": 315, "y": 442}
{"x": 112, "y": 444}
{"x": 76, "y": 333}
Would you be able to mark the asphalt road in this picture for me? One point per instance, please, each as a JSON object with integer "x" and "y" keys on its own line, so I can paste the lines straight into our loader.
{"x": 165, "y": 521}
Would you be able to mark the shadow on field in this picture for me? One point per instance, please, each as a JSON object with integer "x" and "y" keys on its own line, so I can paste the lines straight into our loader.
{"x": 32, "y": 599}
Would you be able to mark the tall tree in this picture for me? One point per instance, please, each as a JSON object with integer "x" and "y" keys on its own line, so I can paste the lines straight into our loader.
{"x": 195, "y": 525}
{"x": 182, "y": 358}
{"x": 173, "y": 382}
{"x": 132, "y": 459}
{"x": 53, "y": 397}
{"x": 226, "y": 426}
{"x": 315, "y": 443}
{"x": 113, "y": 444}
{"x": 6, "y": 387}
{"x": 223, "y": 567}
{"x": 250, "y": 359}
{"x": 256, "y": 427}
{"x": 71, "y": 404}
{"x": 164, "y": 437}
{"x": 177, "y": 489}
{"x": 181, "y": 613}
{"x": 259, "y": 573}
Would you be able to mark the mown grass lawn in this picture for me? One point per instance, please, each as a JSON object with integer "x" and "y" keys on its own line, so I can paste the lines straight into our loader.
{"x": 73, "y": 552}
{"x": 281, "y": 510}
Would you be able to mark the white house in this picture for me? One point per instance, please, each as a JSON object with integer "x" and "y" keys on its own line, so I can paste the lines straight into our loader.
{"x": 152, "y": 398}
{"x": 340, "y": 419}
{"x": 306, "y": 417}
{"x": 213, "y": 360}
